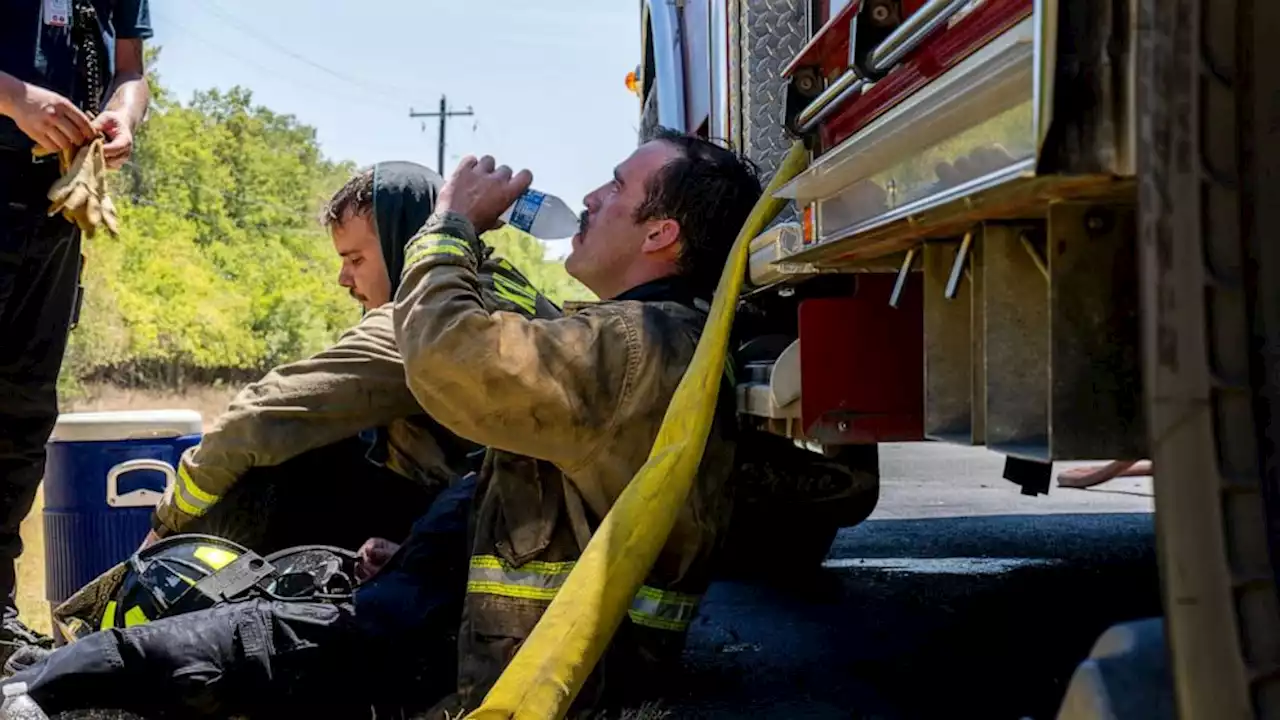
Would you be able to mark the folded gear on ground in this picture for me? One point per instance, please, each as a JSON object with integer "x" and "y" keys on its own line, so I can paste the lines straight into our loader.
{"x": 185, "y": 573}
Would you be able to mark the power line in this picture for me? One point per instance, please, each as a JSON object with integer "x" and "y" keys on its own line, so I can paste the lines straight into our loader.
{"x": 325, "y": 90}
{"x": 362, "y": 84}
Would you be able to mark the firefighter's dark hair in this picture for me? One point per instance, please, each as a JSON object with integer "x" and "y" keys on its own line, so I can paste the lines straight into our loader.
{"x": 354, "y": 198}
{"x": 709, "y": 190}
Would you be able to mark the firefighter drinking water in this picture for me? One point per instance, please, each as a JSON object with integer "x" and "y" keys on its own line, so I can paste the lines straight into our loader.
{"x": 334, "y": 449}
{"x": 569, "y": 408}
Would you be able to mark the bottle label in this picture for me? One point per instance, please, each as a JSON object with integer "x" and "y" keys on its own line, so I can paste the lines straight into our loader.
{"x": 57, "y": 13}
{"x": 526, "y": 209}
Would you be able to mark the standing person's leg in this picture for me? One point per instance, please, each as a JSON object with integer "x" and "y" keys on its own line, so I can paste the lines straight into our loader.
{"x": 39, "y": 271}
{"x": 1085, "y": 477}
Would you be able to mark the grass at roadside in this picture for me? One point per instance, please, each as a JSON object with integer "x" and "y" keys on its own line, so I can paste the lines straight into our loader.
{"x": 209, "y": 401}
{"x": 31, "y": 603}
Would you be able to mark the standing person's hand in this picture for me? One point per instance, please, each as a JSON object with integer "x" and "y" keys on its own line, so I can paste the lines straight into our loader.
{"x": 52, "y": 121}
{"x": 114, "y": 126}
{"x": 481, "y": 192}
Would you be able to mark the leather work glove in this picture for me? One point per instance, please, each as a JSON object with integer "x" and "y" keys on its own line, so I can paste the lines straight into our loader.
{"x": 81, "y": 193}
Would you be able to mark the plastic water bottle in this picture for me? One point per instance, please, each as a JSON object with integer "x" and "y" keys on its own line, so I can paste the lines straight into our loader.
{"x": 18, "y": 705}
{"x": 541, "y": 215}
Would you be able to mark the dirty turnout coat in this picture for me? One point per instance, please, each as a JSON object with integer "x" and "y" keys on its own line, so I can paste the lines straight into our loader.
{"x": 569, "y": 409}
{"x": 356, "y": 384}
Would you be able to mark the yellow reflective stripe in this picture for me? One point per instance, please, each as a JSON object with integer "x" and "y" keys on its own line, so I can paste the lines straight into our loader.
{"x": 520, "y": 297}
{"x": 488, "y": 587}
{"x": 188, "y": 496}
{"x": 667, "y": 596}
{"x": 657, "y": 623}
{"x": 536, "y": 580}
{"x": 663, "y": 609}
{"x": 193, "y": 489}
{"x": 524, "y": 289}
{"x": 108, "y": 615}
{"x": 135, "y": 616}
{"x": 433, "y": 244}
{"x": 441, "y": 249}
{"x": 493, "y": 562}
{"x": 185, "y": 506}
{"x": 540, "y": 581}
{"x": 216, "y": 558}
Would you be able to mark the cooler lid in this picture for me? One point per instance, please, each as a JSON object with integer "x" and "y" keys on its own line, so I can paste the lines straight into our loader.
{"x": 126, "y": 425}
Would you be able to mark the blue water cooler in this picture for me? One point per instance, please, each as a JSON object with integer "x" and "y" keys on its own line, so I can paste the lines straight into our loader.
{"x": 104, "y": 475}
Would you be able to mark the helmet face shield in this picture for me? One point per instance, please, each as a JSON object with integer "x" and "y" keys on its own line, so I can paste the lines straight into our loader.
{"x": 312, "y": 572}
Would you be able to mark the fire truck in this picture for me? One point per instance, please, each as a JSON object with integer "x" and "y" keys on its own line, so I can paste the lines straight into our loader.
{"x": 1038, "y": 226}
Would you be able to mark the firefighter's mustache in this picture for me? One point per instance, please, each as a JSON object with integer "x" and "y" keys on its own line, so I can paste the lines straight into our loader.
{"x": 582, "y": 222}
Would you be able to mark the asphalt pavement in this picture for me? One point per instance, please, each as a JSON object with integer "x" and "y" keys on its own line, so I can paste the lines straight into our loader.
{"x": 960, "y": 597}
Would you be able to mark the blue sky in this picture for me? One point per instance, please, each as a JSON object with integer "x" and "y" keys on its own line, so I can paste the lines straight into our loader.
{"x": 545, "y": 78}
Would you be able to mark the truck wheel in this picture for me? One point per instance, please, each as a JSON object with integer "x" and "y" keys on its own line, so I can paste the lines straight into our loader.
{"x": 790, "y": 503}
{"x": 769, "y": 549}
{"x": 1209, "y": 165}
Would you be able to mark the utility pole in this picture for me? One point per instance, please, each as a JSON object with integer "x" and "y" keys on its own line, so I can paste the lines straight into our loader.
{"x": 444, "y": 115}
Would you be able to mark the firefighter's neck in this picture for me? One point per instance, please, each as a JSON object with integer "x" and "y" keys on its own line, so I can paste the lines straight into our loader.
{"x": 639, "y": 273}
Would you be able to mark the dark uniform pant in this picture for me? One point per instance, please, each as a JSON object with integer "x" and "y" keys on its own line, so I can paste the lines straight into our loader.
{"x": 39, "y": 271}
{"x": 394, "y": 648}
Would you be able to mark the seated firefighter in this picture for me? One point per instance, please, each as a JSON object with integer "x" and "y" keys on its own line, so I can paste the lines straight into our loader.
{"x": 569, "y": 408}
{"x": 334, "y": 449}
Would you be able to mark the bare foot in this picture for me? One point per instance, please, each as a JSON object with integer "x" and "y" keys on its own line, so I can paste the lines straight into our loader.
{"x": 1089, "y": 476}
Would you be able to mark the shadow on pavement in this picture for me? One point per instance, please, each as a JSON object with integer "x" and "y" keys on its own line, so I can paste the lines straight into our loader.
{"x": 971, "y": 617}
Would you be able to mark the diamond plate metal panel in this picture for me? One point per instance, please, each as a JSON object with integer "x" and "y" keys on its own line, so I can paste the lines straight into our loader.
{"x": 772, "y": 32}
{"x": 735, "y": 74}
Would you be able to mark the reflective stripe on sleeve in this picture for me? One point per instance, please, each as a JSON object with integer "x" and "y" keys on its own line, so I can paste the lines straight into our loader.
{"x": 425, "y": 245}
{"x": 663, "y": 609}
{"x": 653, "y": 608}
{"x": 188, "y": 496}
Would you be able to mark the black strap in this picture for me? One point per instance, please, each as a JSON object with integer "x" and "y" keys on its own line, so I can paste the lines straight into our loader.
{"x": 91, "y": 55}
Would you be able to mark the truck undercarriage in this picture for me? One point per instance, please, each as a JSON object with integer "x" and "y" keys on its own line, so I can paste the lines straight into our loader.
{"x": 1038, "y": 226}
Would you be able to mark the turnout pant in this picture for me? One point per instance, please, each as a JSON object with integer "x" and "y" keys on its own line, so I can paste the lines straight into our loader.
{"x": 328, "y": 496}
{"x": 393, "y": 648}
{"x": 39, "y": 278}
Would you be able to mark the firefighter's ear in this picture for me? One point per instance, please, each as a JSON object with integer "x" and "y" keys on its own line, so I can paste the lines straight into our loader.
{"x": 661, "y": 235}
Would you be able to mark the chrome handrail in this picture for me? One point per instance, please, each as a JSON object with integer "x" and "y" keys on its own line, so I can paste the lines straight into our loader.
{"x": 903, "y": 40}
{"x": 911, "y": 32}
{"x": 845, "y": 87}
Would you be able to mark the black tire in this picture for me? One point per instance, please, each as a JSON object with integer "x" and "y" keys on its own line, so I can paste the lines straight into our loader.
{"x": 1209, "y": 164}
{"x": 774, "y": 549}
{"x": 790, "y": 503}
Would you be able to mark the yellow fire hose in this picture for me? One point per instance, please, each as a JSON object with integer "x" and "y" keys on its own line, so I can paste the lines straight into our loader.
{"x": 550, "y": 668}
